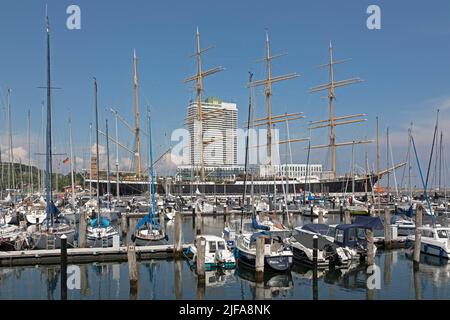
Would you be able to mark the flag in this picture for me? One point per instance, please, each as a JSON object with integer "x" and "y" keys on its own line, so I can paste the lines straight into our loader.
{"x": 66, "y": 161}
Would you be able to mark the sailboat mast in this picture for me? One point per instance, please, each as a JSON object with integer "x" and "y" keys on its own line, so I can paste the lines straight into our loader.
{"x": 268, "y": 95}
{"x": 331, "y": 97}
{"x": 117, "y": 159}
{"x": 108, "y": 186}
{"x": 96, "y": 150}
{"x": 151, "y": 163}
{"x": 136, "y": 100}
{"x": 71, "y": 160}
{"x": 90, "y": 160}
{"x": 48, "y": 176}
{"x": 30, "y": 168}
{"x": 11, "y": 170}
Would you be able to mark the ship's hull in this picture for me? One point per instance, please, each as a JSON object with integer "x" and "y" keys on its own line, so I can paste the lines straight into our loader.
{"x": 186, "y": 188}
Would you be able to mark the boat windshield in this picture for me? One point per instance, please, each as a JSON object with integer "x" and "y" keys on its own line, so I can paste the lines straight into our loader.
{"x": 221, "y": 245}
{"x": 443, "y": 234}
{"x": 212, "y": 246}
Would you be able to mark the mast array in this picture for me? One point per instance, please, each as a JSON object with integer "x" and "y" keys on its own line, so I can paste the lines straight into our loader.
{"x": 136, "y": 100}
{"x": 333, "y": 121}
{"x": 201, "y": 115}
{"x": 270, "y": 120}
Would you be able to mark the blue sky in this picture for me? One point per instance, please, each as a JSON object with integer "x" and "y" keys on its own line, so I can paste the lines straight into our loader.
{"x": 405, "y": 65}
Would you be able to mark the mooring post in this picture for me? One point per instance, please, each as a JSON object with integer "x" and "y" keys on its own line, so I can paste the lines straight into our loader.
{"x": 177, "y": 265}
{"x": 347, "y": 217}
{"x": 63, "y": 267}
{"x": 225, "y": 211}
{"x": 124, "y": 223}
{"x": 395, "y": 208}
{"x": 315, "y": 250}
{"x": 320, "y": 216}
{"x": 418, "y": 238}
{"x": 193, "y": 218}
{"x": 162, "y": 222}
{"x": 178, "y": 239}
{"x": 133, "y": 271}
{"x": 201, "y": 245}
{"x": 370, "y": 247}
{"x": 341, "y": 211}
{"x": 312, "y": 212}
{"x": 387, "y": 228}
{"x": 198, "y": 223}
{"x": 259, "y": 262}
{"x": 82, "y": 230}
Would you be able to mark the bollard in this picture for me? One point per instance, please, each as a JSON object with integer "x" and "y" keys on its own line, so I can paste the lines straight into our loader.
{"x": 82, "y": 230}
{"x": 387, "y": 229}
{"x": 315, "y": 250}
{"x": 370, "y": 247}
{"x": 63, "y": 267}
{"x": 201, "y": 244}
{"x": 321, "y": 217}
{"x": 259, "y": 262}
{"x": 347, "y": 217}
{"x": 418, "y": 238}
{"x": 178, "y": 239}
{"x": 133, "y": 271}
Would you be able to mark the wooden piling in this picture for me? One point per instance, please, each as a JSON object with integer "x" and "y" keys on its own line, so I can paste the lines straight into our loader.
{"x": 387, "y": 229}
{"x": 370, "y": 247}
{"x": 418, "y": 238}
{"x": 178, "y": 238}
{"x": 124, "y": 224}
{"x": 320, "y": 217}
{"x": 63, "y": 267}
{"x": 178, "y": 267}
{"x": 347, "y": 217}
{"x": 315, "y": 250}
{"x": 201, "y": 247}
{"x": 133, "y": 271}
{"x": 162, "y": 222}
{"x": 341, "y": 211}
{"x": 82, "y": 242}
{"x": 259, "y": 261}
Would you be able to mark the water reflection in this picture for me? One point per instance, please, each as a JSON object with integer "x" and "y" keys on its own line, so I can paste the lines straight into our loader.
{"x": 274, "y": 285}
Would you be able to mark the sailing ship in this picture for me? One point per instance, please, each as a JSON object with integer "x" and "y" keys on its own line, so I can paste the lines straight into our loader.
{"x": 48, "y": 235}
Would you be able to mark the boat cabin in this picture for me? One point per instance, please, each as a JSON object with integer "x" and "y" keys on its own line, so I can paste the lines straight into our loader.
{"x": 213, "y": 244}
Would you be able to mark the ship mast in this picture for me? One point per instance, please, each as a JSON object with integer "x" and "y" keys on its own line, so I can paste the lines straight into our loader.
{"x": 201, "y": 115}
{"x": 333, "y": 121}
{"x": 270, "y": 119}
{"x": 136, "y": 100}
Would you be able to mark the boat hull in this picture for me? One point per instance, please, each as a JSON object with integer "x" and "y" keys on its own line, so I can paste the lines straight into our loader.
{"x": 274, "y": 263}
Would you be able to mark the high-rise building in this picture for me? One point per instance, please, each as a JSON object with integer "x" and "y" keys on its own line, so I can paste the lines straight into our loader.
{"x": 219, "y": 133}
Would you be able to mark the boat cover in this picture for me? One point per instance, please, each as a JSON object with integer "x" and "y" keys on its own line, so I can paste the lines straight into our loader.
{"x": 316, "y": 228}
{"x": 104, "y": 223}
{"x": 373, "y": 223}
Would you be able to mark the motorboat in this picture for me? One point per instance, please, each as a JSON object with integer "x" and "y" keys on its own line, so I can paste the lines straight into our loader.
{"x": 278, "y": 256}
{"x": 328, "y": 252}
{"x": 435, "y": 241}
{"x": 217, "y": 254}
{"x": 100, "y": 234}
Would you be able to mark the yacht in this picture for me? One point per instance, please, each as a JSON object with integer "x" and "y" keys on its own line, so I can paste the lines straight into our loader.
{"x": 217, "y": 254}
{"x": 435, "y": 241}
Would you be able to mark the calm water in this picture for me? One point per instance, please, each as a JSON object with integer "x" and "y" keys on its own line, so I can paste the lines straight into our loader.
{"x": 166, "y": 279}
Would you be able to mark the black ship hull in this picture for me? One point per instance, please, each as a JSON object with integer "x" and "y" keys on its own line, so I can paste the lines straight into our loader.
{"x": 186, "y": 188}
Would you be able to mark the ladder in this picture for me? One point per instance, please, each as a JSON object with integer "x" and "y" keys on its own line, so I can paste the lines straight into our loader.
{"x": 105, "y": 242}
{"x": 51, "y": 243}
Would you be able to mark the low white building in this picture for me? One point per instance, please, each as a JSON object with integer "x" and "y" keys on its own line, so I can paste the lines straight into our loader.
{"x": 290, "y": 170}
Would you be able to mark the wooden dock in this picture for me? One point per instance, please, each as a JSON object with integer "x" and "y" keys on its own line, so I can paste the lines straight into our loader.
{"x": 83, "y": 255}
